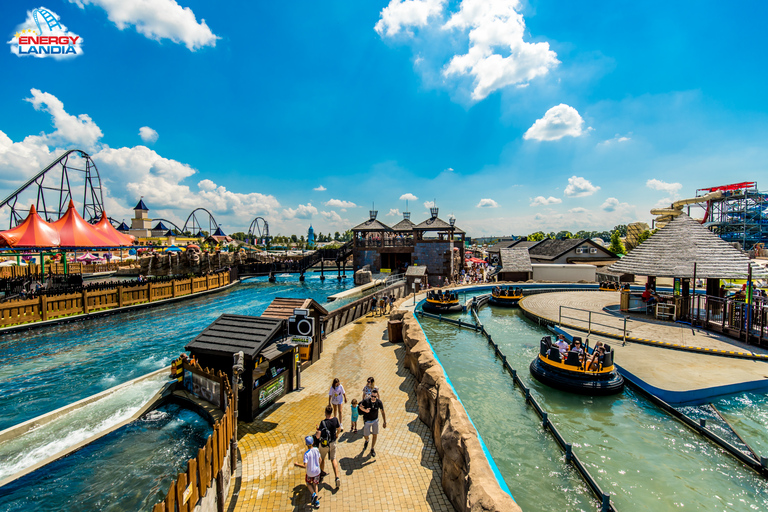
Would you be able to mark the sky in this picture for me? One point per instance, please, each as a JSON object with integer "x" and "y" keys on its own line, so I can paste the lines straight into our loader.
{"x": 512, "y": 116}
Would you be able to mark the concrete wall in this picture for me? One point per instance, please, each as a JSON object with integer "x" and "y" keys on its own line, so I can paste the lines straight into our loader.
{"x": 564, "y": 273}
{"x": 467, "y": 477}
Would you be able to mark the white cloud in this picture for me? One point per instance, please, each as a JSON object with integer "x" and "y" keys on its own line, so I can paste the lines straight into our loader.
{"x": 401, "y": 14}
{"x": 157, "y": 20}
{"x": 394, "y": 212}
{"x": 558, "y": 122}
{"x": 578, "y": 209}
{"x": 496, "y": 25}
{"x": 303, "y": 211}
{"x": 408, "y": 197}
{"x": 429, "y": 204}
{"x": 670, "y": 188}
{"x": 579, "y": 187}
{"x": 335, "y": 219}
{"x": 338, "y": 203}
{"x": 618, "y": 139}
{"x": 71, "y": 130}
{"x": 544, "y": 201}
{"x": 610, "y": 204}
{"x": 497, "y": 55}
{"x": 206, "y": 185}
{"x": 487, "y": 203}
{"x": 147, "y": 134}
{"x": 449, "y": 169}
{"x": 320, "y": 189}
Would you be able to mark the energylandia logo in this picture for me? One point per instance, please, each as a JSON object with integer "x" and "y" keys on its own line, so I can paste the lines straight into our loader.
{"x": 43, "y": 35}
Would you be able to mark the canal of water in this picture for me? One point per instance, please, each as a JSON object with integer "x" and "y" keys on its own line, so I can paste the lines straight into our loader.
{"x": 636, "y": 452}
{"x": 44, "y": 369}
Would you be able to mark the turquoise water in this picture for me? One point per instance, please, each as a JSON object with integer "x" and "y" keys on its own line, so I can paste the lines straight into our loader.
{"x": 636, "y": 452}
{"x": 46, "y": 368}
{"x": 129, "y": 469}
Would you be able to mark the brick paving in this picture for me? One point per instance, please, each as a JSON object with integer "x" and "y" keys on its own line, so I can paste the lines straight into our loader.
{"x": 547, "y": 305}
{"x": 404, "y": 475}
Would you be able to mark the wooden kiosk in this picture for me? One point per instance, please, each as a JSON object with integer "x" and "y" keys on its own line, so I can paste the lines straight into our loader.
{"x": 284, "y": 308}
{"x": 270, "y": 367}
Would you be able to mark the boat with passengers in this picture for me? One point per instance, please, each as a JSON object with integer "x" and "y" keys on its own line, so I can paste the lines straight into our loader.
{"x": 609, "y": 286}
{"x": 573, "y": 369}
{"x": 507, "y": 296}
{"x": 441, "y": 302}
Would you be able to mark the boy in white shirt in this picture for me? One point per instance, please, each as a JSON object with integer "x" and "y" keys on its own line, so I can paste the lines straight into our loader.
{"x": 312, "y": 463}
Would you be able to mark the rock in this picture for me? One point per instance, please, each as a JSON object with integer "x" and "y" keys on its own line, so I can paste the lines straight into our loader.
{"x": 363, "y": 277}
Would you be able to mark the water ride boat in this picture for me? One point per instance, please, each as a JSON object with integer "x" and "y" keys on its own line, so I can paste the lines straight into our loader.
{"x": 507, "y": 296}
{"x": 609, "y": 286}
{"x": 440, "y": 302}
{"x": 570, "y": 374}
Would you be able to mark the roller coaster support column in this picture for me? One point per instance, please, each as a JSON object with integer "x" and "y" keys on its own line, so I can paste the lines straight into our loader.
{"x": 338, "y": 269}
{"x": 301, "y": 276}
{"x": 322, "y": 268}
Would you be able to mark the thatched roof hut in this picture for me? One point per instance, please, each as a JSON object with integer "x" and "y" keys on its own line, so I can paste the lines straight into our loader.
{"x": 673, "y": 250}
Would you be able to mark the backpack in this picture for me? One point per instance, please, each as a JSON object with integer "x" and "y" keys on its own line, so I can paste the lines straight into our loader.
{"x": 325, "y": 434}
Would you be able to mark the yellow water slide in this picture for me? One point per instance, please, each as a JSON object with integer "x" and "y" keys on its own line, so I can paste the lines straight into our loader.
{"x": 667, "y": 214}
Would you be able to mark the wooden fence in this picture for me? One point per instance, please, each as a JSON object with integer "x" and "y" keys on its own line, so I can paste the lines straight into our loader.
{"x": 361, "y": 307}
{"x": 205, "y": 470}
{"x": 58, "y": 268}
{"x": 22, "y": 311}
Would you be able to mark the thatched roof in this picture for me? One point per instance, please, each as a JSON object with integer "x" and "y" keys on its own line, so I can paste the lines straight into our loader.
{"x": 515, "y": 260}
{"x": 371, "y": 225}
{"x": 672, "y": 251}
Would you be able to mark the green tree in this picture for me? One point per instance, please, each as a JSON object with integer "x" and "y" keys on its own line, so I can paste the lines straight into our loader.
{"x": 616, "y": 247}
{"x": 337, "y": 236}
{"x": 563, "y": 235}
{"x": 347, "y": 235}
{"x": 622, "y": 229}
{"x": 537, "y": 236}
{"x": 295, "y": 239}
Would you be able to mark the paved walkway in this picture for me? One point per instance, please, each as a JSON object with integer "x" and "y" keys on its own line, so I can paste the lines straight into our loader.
{"x": 547, "y": 305}
{"x": 404, "y": 475}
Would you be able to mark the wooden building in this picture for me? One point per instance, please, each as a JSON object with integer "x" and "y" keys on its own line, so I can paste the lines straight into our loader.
{"x": 284, "y": 307}
{"x": 269, "y": 358}
{"x": 515, "y": 265}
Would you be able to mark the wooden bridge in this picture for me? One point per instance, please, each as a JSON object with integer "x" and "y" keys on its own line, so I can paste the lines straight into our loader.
{"x": 337, "y": 257}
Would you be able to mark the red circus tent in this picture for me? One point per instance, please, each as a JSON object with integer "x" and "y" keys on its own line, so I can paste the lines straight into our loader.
{"x": 76, "y": 232}
{"x": 33, "y": 232}
{"x": 105, "y": 228}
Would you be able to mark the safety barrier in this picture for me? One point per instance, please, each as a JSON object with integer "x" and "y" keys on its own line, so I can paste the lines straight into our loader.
{"x": 206, "y": 472}
{"x": 570, "y": 455}
{"x": 359, "y": 308}
{"x": 86, "y": 301}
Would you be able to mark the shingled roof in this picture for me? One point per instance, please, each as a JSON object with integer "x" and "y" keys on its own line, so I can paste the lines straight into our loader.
{"x": 230, "y": 334}
{"x": 403, "y": 225}
{"x": 371, "y": 225}
{"x": 434, "y": 224}
{"x": 672, "y": 251}
{"x": 416, "y": 270}
{"x": 515, "y": 260}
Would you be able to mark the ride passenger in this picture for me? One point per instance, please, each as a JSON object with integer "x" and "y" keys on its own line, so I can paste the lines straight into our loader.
{"x": 562, "y": 345}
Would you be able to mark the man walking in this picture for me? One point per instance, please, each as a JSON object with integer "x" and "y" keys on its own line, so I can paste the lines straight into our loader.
{"x": 327, "y": 432}
{"x": 370, "y": 408}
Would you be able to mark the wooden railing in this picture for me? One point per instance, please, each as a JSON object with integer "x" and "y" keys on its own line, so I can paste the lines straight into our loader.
{"x": 205, "y": 470}
{"x": 49, "y": 307}
{"x": 58, "y": 268}
{"x": 361, "y": 307}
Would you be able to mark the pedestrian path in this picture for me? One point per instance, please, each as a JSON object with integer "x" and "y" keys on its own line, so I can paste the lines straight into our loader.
{"x": 404, "y": 475}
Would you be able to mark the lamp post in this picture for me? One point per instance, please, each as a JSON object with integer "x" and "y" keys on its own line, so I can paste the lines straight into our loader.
{"x": 237, "y": 369}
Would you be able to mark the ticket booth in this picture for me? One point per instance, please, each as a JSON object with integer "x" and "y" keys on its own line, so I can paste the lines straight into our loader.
{"x": 270, "y": 359}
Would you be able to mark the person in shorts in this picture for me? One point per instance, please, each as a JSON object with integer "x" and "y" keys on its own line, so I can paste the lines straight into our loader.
{"x": 354, "y": 414}
{"x": 312, "y": 463}
{"x": 326, "y": 435}
{"x": 370, "y": 408}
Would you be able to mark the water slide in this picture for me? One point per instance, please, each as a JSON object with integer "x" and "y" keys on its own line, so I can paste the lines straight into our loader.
{"x": 667, "y": 214}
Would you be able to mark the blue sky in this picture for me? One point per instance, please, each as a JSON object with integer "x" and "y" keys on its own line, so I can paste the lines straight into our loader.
{"x": 513, "y": 116}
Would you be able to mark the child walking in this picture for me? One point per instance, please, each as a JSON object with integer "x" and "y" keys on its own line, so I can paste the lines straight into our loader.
{"x": 354, "y": 415}
{"x": 312, "y": 463}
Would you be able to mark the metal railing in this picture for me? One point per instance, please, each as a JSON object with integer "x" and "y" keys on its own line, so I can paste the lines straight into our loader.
{"x": 592, "y": 320}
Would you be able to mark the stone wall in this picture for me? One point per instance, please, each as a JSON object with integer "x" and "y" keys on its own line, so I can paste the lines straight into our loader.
{"x": 365, "y": 257}
{"x": 467, "y": 478}
{"x": 188, "y": 262}
{"x": 437, "y": 257}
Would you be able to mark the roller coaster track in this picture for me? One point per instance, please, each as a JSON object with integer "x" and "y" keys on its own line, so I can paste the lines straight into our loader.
{"x": 51, "y": 197}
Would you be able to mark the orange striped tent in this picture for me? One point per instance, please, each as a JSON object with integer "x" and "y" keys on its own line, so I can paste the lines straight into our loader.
{"x": 76, "y": 232}
{"x": 33, "y": 232}
{"x": 105, "y": 228}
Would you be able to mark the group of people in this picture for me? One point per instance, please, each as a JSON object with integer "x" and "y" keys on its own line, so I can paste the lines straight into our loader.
{"x": 475, "y": 274}
{"x": 443, "y": 296}
{"x": 382, "y": 304}
{"x": 322, "y": 445}
{"x": 590, "y": 362}
{"x": 499, "y": 291}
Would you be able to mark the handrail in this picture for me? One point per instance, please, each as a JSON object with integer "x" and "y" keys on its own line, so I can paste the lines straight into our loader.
{"x": 623, "y": 331}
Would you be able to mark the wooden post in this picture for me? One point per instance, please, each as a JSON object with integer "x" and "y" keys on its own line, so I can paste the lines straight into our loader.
{"x": 119, "y": 296}
{"x": 170, "y": 498}
{"x": 181, "y": 486}
{"x": 43, "y": 307}
{"x": 149, "y": 292}
{"x": 207, "y": 282}
{"x": 159, "y": 507}
{"x": 85, "y": 301}
{"x": 173, "y": 288}
{"x": 192, "y": 479}
{"x": 203, "y": 473}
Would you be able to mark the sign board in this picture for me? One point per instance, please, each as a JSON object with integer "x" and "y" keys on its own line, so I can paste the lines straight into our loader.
{"x": 301, "y": 325}
{"x": 186, "y": 495}
{"x": 417, "y": 280}
{"x": 271, "y": 391}
{"x": 203, "y": 387}
{"x": 302, "y": 340}
{"x": 386, "y": 270}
